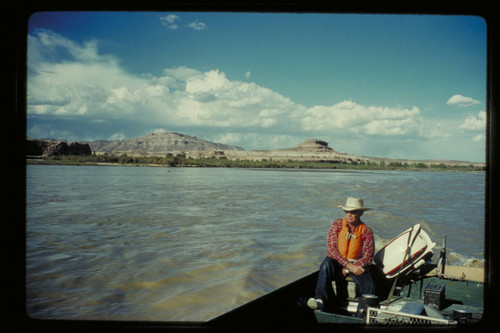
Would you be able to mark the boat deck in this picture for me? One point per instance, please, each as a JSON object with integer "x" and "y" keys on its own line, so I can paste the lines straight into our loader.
{"x": 458, "y": 295}
{"x": 286, "y": 307}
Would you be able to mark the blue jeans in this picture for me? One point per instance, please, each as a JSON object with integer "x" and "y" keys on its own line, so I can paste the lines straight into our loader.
{"x": 330, "y": 270}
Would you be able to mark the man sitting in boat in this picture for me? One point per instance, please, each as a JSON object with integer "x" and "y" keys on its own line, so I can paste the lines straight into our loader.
{"x": 350, "y": 248}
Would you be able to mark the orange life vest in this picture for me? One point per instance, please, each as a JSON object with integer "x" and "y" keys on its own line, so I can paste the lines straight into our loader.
{"x": 349, "y": 244}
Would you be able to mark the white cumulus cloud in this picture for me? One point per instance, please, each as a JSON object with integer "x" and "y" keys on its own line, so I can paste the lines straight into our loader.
{"x": 197, "y": 25}
{"x": 74, "y": 81}
{"x": 209, "y": 81}
{"x": 356, "y": 118}
{"x": 459, "y": 100}
{"x": 475, "y": 123}
{"x": 101, "y": 89}
{"x": 169, "y": 21}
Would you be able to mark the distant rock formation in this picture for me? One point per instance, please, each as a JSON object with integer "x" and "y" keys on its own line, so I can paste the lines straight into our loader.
{"x": 314, "y": 145}
{"x": 46, "y": 147}
{"x": 158, "y": 144}
{"x": 162, "y": 144}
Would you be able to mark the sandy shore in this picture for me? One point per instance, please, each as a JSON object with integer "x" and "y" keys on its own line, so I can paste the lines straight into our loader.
{"x": 467, "y": 273}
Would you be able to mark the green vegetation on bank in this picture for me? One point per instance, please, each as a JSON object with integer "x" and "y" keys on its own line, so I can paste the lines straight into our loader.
{"x": 222, "y": 162}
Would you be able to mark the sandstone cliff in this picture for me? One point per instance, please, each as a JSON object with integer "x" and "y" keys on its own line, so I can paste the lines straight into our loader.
{"x": 158, "y": 144}
{"x": 313, "y": 145}
{"x": 309, "y": 150}
{"x": 46, "y": 147}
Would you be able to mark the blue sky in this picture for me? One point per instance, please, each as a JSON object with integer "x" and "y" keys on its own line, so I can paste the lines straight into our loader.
{"x": 402, "y": 86}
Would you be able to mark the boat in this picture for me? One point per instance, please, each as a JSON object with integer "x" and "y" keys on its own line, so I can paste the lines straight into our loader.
{"x": 410, "y": 290}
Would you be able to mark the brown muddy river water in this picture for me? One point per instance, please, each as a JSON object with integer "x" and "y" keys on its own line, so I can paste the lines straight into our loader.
{"x": 154, "y": 243}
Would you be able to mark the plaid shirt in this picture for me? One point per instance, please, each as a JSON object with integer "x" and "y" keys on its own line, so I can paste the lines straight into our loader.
{"x": 366, "y": 251}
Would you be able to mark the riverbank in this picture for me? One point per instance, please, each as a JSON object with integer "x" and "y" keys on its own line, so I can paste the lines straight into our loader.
{"x": 181, "y": 160}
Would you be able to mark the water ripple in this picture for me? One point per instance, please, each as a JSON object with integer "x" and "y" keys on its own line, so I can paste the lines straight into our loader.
{"x": 189, "y": 244}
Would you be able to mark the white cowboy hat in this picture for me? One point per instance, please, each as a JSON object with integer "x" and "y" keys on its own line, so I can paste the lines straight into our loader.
{"x": 354, "y": 204}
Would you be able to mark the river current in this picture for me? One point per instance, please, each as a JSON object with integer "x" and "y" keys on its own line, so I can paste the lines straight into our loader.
{"x": 168, "y": 244}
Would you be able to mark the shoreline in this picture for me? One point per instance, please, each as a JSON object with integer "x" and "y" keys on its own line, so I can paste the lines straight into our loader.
{"x": 214, "y": 162}
{"x": 462, "y": 273}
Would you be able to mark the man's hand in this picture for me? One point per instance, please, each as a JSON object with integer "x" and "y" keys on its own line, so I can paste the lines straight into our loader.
{"x": 355, "y": 269}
